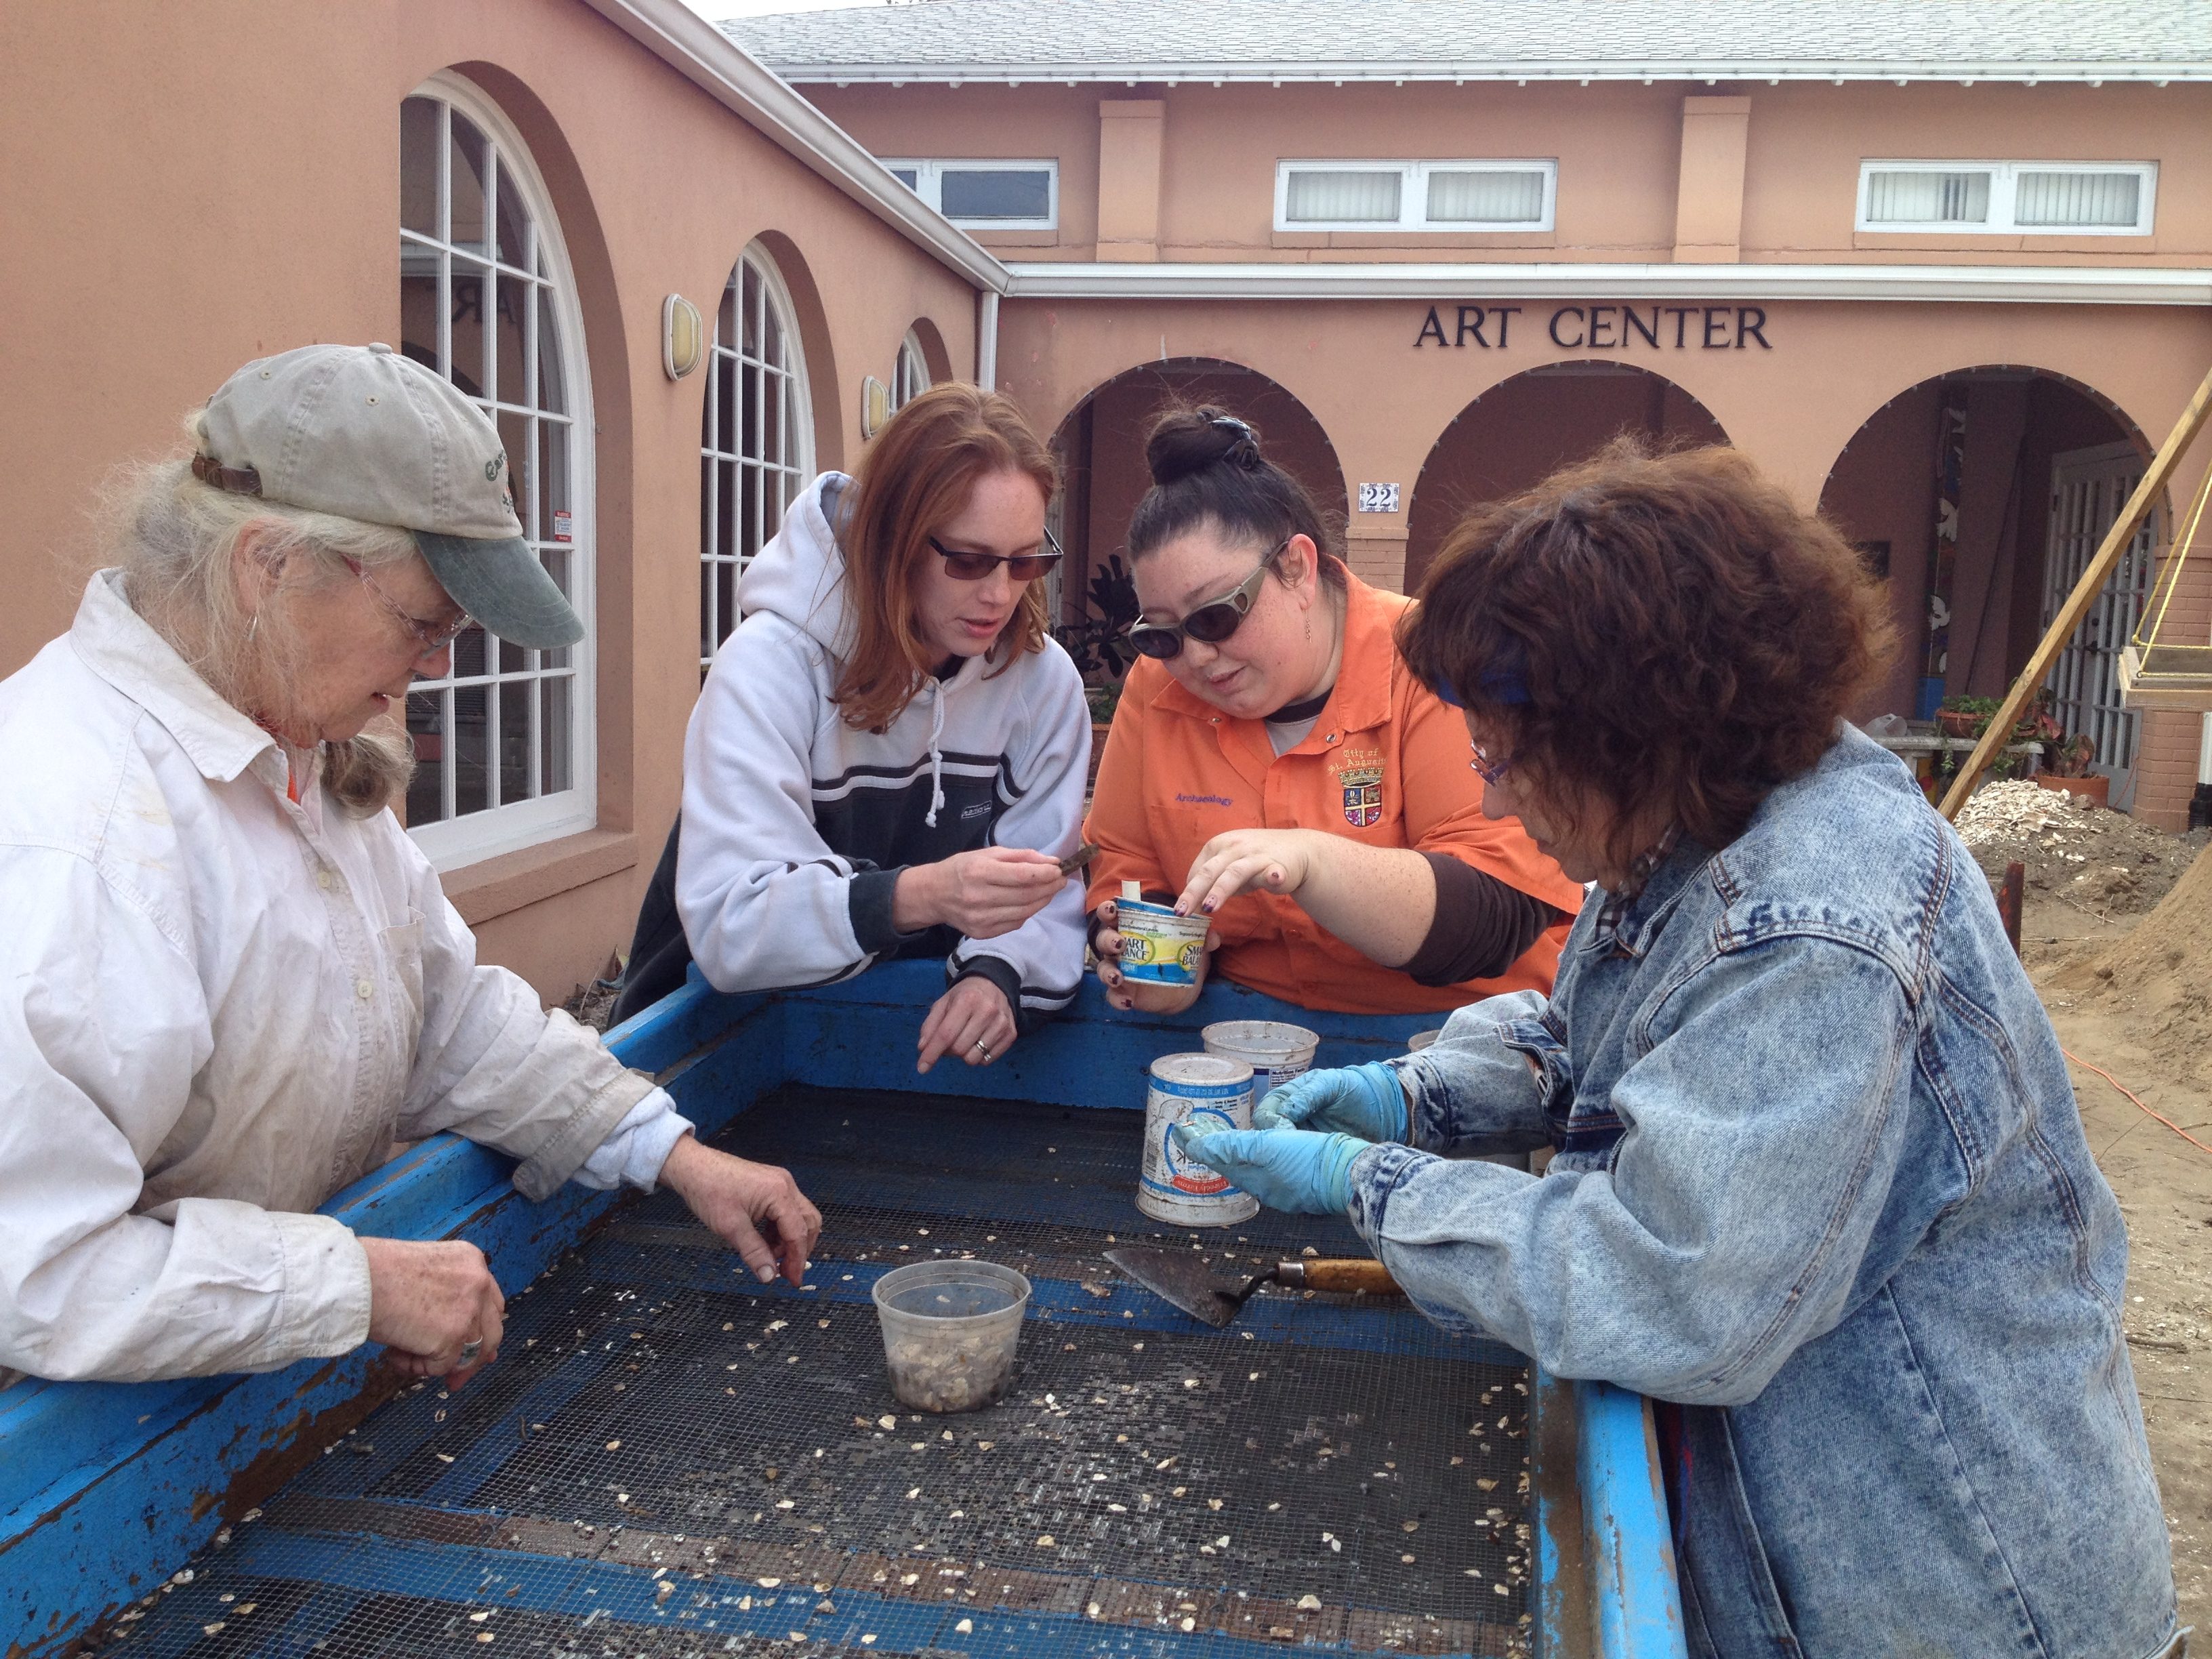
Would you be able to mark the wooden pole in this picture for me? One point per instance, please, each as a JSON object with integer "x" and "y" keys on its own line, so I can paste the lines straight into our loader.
{"x": 2083, "y": 596}
{"x": 2010, "y": 898}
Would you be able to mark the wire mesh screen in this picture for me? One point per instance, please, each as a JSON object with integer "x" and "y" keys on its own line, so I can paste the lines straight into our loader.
{"x": 669, "y": 1459}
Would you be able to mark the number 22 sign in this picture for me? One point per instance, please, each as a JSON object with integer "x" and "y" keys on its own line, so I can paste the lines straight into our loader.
{"x": 1378, "y": 498}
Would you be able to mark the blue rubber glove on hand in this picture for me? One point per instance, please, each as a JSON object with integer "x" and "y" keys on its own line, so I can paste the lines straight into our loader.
{"x": 1293, "y": 1170}
{"x": 1355, "y": 1100}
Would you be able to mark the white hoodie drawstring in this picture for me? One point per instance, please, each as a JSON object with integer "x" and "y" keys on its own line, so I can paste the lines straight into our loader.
{"x": 936, "y": 754}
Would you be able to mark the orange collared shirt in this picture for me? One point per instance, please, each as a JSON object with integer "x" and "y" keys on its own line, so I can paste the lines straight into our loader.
{"x": 1385, "y": 764}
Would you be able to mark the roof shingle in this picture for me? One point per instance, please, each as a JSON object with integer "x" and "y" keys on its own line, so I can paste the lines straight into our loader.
{"x": 1198, "y": 39}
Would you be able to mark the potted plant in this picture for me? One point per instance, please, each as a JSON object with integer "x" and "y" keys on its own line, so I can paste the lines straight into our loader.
{"x": 2067, "y": 768}
{"x": 1965, "y": 717}
{"x": 1099, "y": 644}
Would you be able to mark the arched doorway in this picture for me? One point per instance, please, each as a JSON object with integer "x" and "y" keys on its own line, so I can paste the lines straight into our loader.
{"x": 1524, "y": 429}
{"x": 1100, "y": 446}
{"x": 1981, "y": 494}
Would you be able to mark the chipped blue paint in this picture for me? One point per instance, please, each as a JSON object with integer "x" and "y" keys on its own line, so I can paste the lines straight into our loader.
{"x": 1637, "y": 1604}
{"x": 106, "y": 1489}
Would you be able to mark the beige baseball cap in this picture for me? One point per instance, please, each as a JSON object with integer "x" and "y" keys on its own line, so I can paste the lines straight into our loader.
{"x": 365, "y": 433}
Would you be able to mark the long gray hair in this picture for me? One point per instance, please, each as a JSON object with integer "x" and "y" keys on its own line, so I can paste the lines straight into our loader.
{"x": 176, "y": 539}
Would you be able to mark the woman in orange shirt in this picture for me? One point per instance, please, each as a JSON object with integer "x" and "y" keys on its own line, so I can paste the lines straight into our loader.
{"x": 1273, "y": 765}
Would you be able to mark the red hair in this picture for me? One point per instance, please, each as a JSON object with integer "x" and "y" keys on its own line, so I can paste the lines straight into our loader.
{"x": 915, "y": 478}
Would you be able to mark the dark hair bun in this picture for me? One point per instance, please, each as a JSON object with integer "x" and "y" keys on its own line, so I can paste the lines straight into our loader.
{"x": 1184, "y": 441}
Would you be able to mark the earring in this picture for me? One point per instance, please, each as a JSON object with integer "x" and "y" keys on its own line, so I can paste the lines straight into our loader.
{"x": 253, "y": 626}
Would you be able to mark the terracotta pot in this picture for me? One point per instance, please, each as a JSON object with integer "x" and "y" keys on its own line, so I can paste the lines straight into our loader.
{"x": 1956, "y": 722}
{"x": 2098, "y": 789}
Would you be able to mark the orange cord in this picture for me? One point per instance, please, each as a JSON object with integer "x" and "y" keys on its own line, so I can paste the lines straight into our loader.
{"x": 2125, "y": 1090}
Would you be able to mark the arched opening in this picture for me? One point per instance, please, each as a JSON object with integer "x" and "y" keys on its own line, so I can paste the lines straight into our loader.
{"x": 1101, "y": 446}
{"x": 909, "y": 373}
{"x": 505, "y": 741}
{"x": 756, "y": 450}
{"x": 936, "y": 361}
{"x": 1981, "y": 494}
{"x": 1524, "y": 429}
{"x": 826, "y": 415}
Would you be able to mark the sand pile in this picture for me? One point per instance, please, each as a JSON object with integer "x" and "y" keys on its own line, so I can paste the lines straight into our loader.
{"x": 2105, "y": 862}
{"x": 2159, "y": 976}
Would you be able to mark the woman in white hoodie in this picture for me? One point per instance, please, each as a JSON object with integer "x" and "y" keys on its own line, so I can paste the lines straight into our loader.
{"x": 887, "y": 757}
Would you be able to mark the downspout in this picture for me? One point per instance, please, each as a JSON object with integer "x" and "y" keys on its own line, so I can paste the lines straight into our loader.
{"x": 986, "y": 339}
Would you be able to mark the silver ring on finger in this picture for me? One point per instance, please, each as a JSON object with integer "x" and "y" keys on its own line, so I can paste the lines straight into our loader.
{"x": 983, "y": 1050}
{"x": 470, "y": 1349}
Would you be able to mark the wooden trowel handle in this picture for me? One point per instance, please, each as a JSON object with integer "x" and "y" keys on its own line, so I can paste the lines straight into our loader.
{"x": 1338, "y": 1273}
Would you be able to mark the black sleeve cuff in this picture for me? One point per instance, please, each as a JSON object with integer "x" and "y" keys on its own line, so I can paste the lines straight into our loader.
{"x": 1001, "y": 973}
{"x": 1481, "y": 926}
{"x": 868, "y": 898}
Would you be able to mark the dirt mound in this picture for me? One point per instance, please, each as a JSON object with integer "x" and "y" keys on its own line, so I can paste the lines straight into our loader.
{"x": 2104, "y": 862}
{"x": 2159, "y": 976}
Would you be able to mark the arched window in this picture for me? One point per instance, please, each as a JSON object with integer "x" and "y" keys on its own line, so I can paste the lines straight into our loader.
{"x": 504, "y": 744}
{"x": 756, "y": 448}
{"x": 911, "y": 373}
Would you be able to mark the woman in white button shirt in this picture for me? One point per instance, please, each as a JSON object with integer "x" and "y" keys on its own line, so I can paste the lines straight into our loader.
{"x": 229, "y": 981}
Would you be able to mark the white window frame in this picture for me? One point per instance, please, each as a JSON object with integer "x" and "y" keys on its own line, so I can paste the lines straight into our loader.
{"x": 452, "y": 843}
{"x": 909, "y": 373}
{"x": 929, "y": 185}
{"x": 728, "y": 449}
{"x": 2004, "y": 178}
{"x": 1413, "y": 195}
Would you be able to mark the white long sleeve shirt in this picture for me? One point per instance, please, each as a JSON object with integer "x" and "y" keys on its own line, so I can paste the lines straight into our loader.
{"x": 218, "y": 1005}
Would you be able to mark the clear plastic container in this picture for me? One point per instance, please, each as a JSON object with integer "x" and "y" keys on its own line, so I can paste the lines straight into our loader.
{"x": 950, "y": 1332}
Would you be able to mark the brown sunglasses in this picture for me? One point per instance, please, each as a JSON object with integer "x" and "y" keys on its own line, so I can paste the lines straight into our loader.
{"x": 975, "y": 567}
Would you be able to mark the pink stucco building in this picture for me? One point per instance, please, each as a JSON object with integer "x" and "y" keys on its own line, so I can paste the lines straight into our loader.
{"x": 1431, "y": 247}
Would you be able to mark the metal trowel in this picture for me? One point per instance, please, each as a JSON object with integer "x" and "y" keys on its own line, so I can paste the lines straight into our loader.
{"x": 1181, "y": 1278}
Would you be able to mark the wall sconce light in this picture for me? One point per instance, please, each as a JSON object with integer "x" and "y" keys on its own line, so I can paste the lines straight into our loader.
{"x": 683, "y": 336}
{"x": 875, "y": 406}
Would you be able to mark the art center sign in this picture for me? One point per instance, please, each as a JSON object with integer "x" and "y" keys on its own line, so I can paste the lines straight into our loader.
{"x": 1600, "y": 327}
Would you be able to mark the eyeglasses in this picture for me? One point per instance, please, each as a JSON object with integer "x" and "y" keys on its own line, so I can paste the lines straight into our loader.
{"x": 1023, "y": 566}
{"x": 1487, "y": 770}
{"x": 1209, "y": 623}
{"x": 432, "y": 637}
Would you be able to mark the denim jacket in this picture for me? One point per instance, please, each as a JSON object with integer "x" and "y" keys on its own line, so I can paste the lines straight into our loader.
{"x": 1817, "y": 1177}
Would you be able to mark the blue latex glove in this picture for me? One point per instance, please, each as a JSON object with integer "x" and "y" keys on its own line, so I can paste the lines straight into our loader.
{"x": 1293, "y": 1170}
{"x": 1355, "y": 1100}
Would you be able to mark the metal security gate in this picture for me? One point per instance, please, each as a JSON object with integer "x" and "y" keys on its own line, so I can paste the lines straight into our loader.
{"x": 2089, "y": 487}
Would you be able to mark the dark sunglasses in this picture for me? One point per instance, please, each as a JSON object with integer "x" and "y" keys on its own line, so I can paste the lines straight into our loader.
{"x": 1023, "y": 566}
{"x": 1209, "y": 623}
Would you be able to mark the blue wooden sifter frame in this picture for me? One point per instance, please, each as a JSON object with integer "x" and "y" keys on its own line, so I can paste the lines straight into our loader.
{"x": 106, "y": 1489}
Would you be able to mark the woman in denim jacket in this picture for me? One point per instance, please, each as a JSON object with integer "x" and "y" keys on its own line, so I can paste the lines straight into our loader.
{"x": 1819, "y": 1184}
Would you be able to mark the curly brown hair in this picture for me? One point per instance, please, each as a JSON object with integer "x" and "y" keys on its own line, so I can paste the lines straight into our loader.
{"x": 1667, "y": 636}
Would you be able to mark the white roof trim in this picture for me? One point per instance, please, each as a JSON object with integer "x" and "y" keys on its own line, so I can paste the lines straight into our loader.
{"x": 1187, "y": 70}
{"x": 710, "y": 60}
{"x": 1982, "y": 284}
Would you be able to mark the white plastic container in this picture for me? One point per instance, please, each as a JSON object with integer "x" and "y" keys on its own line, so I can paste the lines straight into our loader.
{"x": 1275, "y": 1051}
{"x": 1159, "y": 947}
{"x": 1210, "y": 1093}
{"x": 950, "y": 1332}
